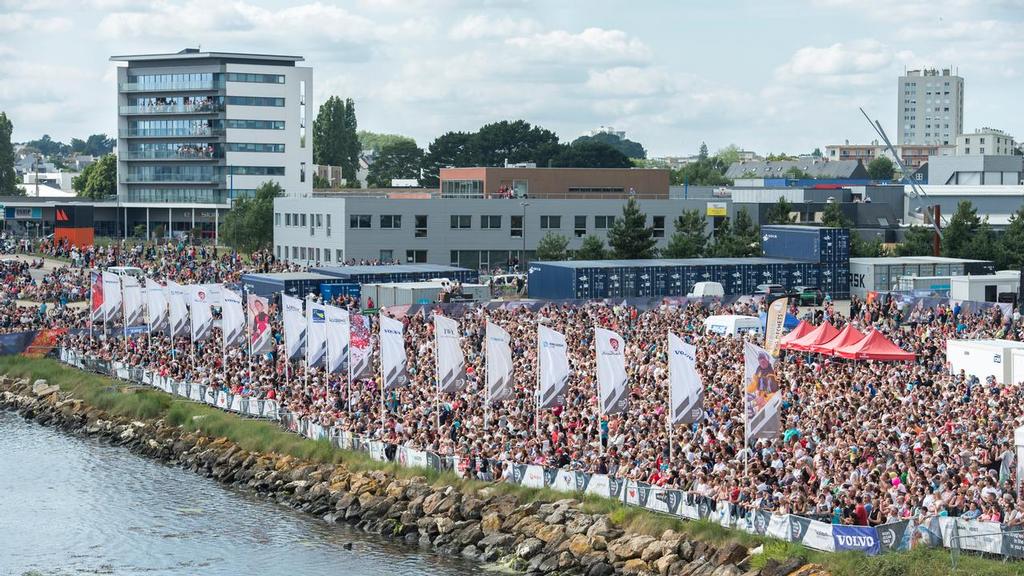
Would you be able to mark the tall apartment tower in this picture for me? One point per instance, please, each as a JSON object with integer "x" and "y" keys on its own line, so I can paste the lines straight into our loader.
{"x": 931, "y": 107}
{"x": 207, "y": 127}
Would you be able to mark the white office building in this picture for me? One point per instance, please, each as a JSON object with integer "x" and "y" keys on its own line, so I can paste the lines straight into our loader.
{"x": 930, "y": 107}
{"x": 985, "y": 141}
{"x": 198, "y": 129}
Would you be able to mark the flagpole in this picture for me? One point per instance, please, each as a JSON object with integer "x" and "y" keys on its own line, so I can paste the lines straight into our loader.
{"x": 124, "y": 321}
{"x": 597, "y": 386}
{"x": 668, "y": 412}
{"x": 487, "y": 369}
{"x": 380, "y": 368}
{"x": 536, "y": 418}
{"x": 248, "y": 329}
{"x": 348, "y": 383}
{"x": 92, "y": 313}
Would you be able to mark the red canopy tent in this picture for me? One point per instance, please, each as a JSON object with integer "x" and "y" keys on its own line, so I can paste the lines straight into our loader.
{"x": 847, "y": 336}
{"x": 819, "y": 335}
{"x": 874, "y": 346}
{"x": 800, "y": 331}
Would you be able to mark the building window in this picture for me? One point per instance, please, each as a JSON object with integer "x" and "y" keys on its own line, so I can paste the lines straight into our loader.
{"x": 328, "y": 224}
{"x": 327, "y": 254}
{"x": 302, "y": 253}
{"x": 521, "y": 188}
{"x": 287, "y": 218}
{"x": 603, "y": 222}
{"x": 516, "y": 226}
{"x": 303, "y": 219}
{"x": 390, "y": 221}
{"x": 277, "y": 218}
{"x": 462, "y": 189}
{"x": 416, "y": 256}
{"x": 339, "y": 255}
{"x": 295, "y": 252}
{"x": 461, "y": 222}
{"x": 260, "y": 78}
{"x": 359, "y": 221}
{"x": 257, "y": 170}
{"x": 490, "y": 222}
{"x": 387, "y": 255}
{"x": 658, "y": 225}
{"x": 981, "y": 150}
{"x": 319, "y": 220}
{"x": 253, "y": 147}
{"x": 254, "y": 101}
{"x": 550, "y": 222}
{"x": 277, "y": 251}
{"x": 302, "y": 113}
{"x": 580, "y": 226}
{"x": 255, "y": 124}
{"x": 421, "y": 225}
{"x": 597, "y": 190}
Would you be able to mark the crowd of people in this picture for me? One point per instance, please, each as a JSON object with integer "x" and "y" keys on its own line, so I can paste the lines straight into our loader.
{"x": 862, "y": 442}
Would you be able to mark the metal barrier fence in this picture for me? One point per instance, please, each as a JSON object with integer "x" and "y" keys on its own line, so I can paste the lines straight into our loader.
{"x": 953, "y": 533}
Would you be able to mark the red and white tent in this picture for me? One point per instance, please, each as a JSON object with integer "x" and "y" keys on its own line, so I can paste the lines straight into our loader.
{"x": 819, "y": 335}
{"x": 874, "y": 346}
{"x": 847, "y": 336}
{"x": 800, "y": 331}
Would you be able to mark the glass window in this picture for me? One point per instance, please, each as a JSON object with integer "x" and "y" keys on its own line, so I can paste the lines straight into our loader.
{"x": 255, "y": 170}
{"x": 319, "y": 220}
{"x": 260, "y": 78}
{"x": 421, "y": 225}
{"x": 416, "y": 256}
{"x": 658, "y": 225}
{"x": 359, "y": 221}
{"x": 461, "y": 222}
{"x": 516, "y": 223}
{"x": 387, "y": 255}
{"x": 602, "y": 222}
{"x": 462, "y": 189}
{"x": 303, "y": 219}
{"x": 255, "y": 124}
{"x": 490, "y": 222}
{"x": 254, "y": 147}
{"x": 277, "y": 218}
{"x": 338, "y": 255}
{"x": 287, "y": 218}
{"x": 390, "y": 221}
{"x": 327, "y": 254}
{"x": 254, "y": 101}
{"x": 550, "y": 222}
{"x": 580, "y": 226}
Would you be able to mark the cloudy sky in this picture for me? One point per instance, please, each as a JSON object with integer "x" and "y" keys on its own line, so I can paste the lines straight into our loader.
{"x": 785, "y": 75}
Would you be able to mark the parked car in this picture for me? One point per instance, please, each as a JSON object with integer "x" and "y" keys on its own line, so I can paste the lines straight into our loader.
{"x": 808, "y": 296}
{"x": 706, "y": 290}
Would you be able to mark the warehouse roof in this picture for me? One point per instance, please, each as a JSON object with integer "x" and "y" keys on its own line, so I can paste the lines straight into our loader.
{"x": 669, "y": 262}
{"x": 838, "y": 169}
{"x": 283, "y": 276}
{"x": 387, "y": 269}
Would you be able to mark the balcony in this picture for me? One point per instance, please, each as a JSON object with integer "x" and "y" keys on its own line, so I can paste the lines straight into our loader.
{"x": 170, "y": 179}
{"x": 169, "y": 86}
{"x": 170, "y": 132}
{"x": 177, "y": 195}
{"x": 160, "y": 109}
{"x": 170, "y": 155}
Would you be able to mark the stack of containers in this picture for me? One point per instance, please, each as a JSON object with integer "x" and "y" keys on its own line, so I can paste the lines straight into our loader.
{"x": 827, "y": 248}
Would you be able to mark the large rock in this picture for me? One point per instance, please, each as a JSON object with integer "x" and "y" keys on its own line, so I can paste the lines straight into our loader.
{"x": 470, "y": 535}
{"x": 635, "y": 567}
{"x": 601, "y": 569}
{"x": 491, "y": 523}
{"x": 579, "y": 545}
{"x": 732, "y": 553}
{"x": 628, "y": 548}
{"x": 496, "y": 541}
{"x": 666, "y": 562}
{"x": 601, "y": 527}
{"x": 445, "y": 525}
{"x": 775, "y": 568}
{"x": 727, "y": 570}
{"x": 529, "y": 548}
{"x": 653, "y": 551}
{"x": 551, "y": 533}
{"x": 41, "y": 388}
{"x": 578, "y": 524}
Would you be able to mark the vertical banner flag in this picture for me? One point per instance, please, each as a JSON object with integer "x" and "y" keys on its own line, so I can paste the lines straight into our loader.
{"x": 132, "y": 299}
{"x": 612, "y": 382}
{"x": 156, "y": 306}
{"x": 111, "y": 296}
{"x": 316, "y": 333}
{"x": 294, "y": 325}
{"x": 337, "y": 338}
{"x": 499, "y": 363}
{"x": 686, "y": 391}
{"x": 451, "y": 364}
{"x": 96, "y": 296}
{"x": 261, "y": 338}
{"x": 232, "y": 318}
{"x": 200, "y": 312}
{"x": 360, "y": 347}
{"x": 776, "y": 321}
{"x": 177, "y": 308}
{"x": 761, "y": 397}
{"x": 553, "y": 368}
{"x": 392, "y": 353}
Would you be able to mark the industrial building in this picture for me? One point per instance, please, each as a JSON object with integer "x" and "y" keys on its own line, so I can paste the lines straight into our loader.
{"x": 883, "y": 274}
{"x": 930, "y": 107}
{"x": 554, "y": 183}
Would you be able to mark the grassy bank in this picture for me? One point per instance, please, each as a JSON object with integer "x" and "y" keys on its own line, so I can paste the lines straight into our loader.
{"x": 139, "y": 402}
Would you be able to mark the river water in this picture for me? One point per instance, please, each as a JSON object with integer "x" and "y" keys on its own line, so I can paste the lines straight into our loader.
{"x": 71, "y": 505}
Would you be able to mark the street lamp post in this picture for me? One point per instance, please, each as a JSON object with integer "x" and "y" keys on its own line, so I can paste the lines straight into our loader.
{"x": 522, "y": 258}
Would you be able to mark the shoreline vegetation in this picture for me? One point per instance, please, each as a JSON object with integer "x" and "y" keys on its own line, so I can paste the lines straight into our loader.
{"x": 635, "y": 533}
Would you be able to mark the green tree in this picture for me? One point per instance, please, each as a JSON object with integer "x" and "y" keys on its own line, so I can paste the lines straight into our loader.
{"x": 728, "y": 155}
{"x": 400, "y": 159}
{"x": 781, "y": 156}
{"x": 796, "y": 173}
{"x": 917, "y": 241}
{"x": 629, "y": 237}
{"x": 860, "y": 248}
{"x": 48, "y": 146}
{"x": 702, "y": 154}
{"x": 7, "y": 174}
{"x": 703, "y": 172}
{"x": 335, "y": 142}
{"x": 881, "y": 168}
{"x": 98, "y": 180}
{"x": 961, "y": 229}
{"x": 629, "y": 148}
{"x": 319, "y": 182}
{"x": 1012, "y": 242}
{"x": 590, "y": 154}
{"x": 982, "y": 245}
{"x": 689, "y": 239}
{"x": 816, "y": 153}
{"x": 375, "y": 140}
{"x": 451, "y": 149}
{"x": 780, "y": 212}
{"x": 833, "y": 216}
{"x": 552, "y": 247}
{"x": 249, "y": 225}
{"x": 737, "y": 239}
{"x": 592, "y": 248}
{"x": 516, "y": 141}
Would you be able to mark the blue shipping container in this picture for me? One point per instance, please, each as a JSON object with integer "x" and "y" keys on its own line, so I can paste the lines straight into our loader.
{"x": 330, "y": 291}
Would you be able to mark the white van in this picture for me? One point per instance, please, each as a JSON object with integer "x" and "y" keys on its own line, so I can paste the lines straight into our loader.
{"x": 732, "y": 325}
{"x": 128, "y": 271}
{"x": 706, "y": 290}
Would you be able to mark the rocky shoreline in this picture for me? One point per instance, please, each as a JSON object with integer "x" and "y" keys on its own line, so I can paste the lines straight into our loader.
{"x": 535, "y": 538}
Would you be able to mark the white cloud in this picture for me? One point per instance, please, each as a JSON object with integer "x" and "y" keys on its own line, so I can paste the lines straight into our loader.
{"x": 592, "y": 45}
{"x": 857, "y": 63}
{"x": 478, "y": 26}
{"x": 15, "y": 22}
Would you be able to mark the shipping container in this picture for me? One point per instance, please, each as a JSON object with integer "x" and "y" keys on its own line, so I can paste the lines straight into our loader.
{"x": 331, "y": 291}
{"x": 397, "y": 273}
{"x": 407, "y": 293}
{"x": 883, "y": 274}
{"x": 810, "y": 243}
{"x": 298, "y": 284}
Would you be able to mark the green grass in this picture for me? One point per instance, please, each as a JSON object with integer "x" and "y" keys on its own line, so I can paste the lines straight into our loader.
{"x": 121, "y": 399}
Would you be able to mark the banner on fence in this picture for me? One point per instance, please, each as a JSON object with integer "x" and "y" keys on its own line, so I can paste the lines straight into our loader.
{"x": 862, "y": 538}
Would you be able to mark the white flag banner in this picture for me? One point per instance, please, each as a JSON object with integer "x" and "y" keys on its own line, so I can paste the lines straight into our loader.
{"x": 499, "y": 363}
{"x": 200, "y": 312}
{"x": 360, "y": 347}
{"x": 156, "y": 306}
{"x": 612, "y": 381}
{"x": 337, "y": 338}
{"x": 451, "y": 365}
{"x": 316, "y": 333}
{"x": 761, "y": 397}
{"x": 553, "y": 367}
{"x": 686, "y": 391}
{"x": 98, "y": 309}
{"x": 177, "y": 308}
{"x": 294, "y": 325}
{"x": 392, "y": 353}
{"x": 232, "y": 318}
{"x": 111, "y": 296}
{"x": 131, "y": 293}
{"x": 261, "y": 337}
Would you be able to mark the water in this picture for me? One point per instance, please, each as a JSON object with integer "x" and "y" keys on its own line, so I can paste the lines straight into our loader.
{"x": 72, "y": 505}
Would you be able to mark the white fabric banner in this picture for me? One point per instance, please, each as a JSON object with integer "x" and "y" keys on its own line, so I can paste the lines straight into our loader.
{"x": 316, "y": 333}
{"x": 392, "y": 353}
{"x": 337, "y": 338}
{"x": 261, "y": 337}
{"x": 111, "y": 296}
{"x": 98, "y": 309}
{"x": 499, "y": 363}
{"x": 200, "y": 312}
{"x": 177, "y": 308}
{"x": 131, "y": 292}
{"x": 686, "y": 391}
{"x": 762, "y": 400}
{"x": 612, "y": 381}
{"x": 451, "y": 364}
{"x": 156, "y": 306}
{"x": 553, "y": 369}
{"x": 294, "y": 325}
{"x": 360, "y": 347}
{"x": 232, "y": 323}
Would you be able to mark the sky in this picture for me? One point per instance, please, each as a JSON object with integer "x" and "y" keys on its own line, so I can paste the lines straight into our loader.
{"x": 778, "y": 76}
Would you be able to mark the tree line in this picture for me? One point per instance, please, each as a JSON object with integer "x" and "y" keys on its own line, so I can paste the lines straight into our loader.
{"x": 967, "y": 235}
